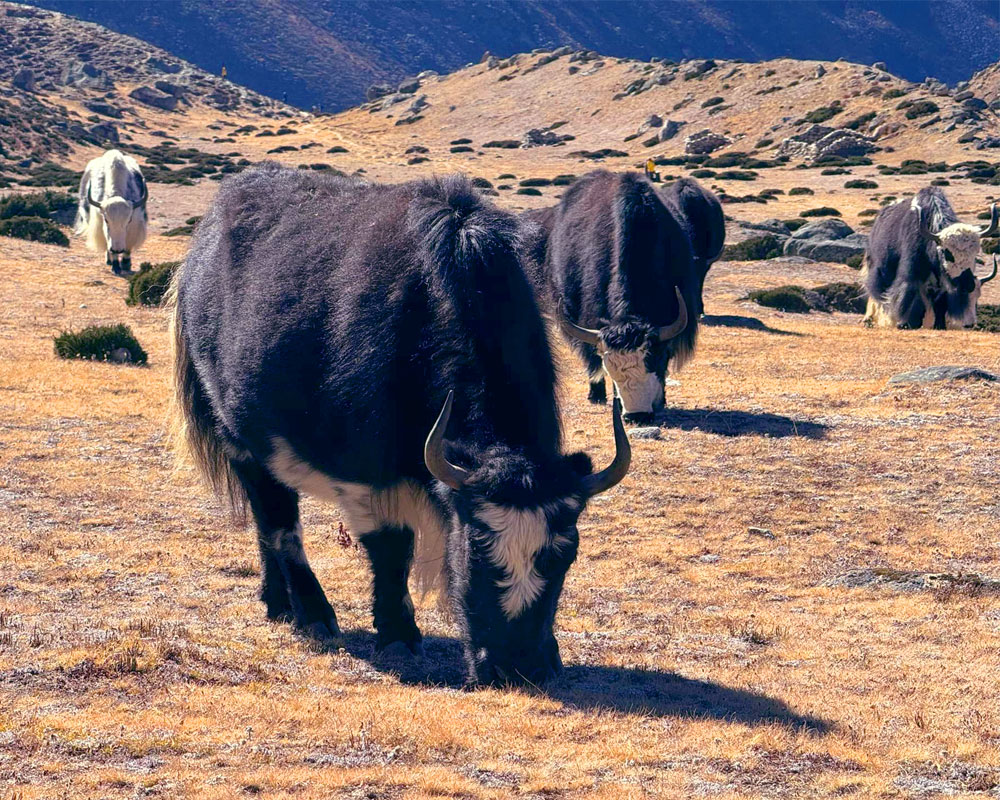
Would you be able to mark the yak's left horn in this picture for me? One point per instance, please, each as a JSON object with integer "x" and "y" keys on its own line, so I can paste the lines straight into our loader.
{"x": 993, "y": 229}
{"x": 679, "y": 324}
{"x": 145, "y": 195}
{"x": 439, "y": 466}
{"x": 574, "y": 331}
{"x": 618, "y": 469}
{"x": 993, "y": 274}
{"x": 91, "y": 200}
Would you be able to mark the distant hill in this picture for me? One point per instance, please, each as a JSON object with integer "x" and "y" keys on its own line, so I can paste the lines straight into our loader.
{"x": 327, "y": 52}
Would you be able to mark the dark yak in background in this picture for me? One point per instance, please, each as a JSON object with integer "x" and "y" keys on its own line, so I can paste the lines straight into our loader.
{"x": 320, "y": 326}
{"x": 919, "y": 269}
{"x": 621, "y": 275}
{"x": 700, "y": 214}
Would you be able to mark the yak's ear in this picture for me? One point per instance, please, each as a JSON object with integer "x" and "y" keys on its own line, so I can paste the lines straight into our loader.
{"x": 580, "y": 463}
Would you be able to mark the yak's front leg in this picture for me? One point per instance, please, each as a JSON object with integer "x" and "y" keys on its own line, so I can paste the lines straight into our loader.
{"x": 390, "y": 550}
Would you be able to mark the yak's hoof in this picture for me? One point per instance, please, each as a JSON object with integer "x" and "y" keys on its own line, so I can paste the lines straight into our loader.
{"x": 399, "y": 653}
{"x": 326, "y": 631}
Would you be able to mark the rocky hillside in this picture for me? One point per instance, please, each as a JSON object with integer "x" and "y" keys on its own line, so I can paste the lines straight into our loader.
{"x": 580, "y": 105}
{"x": 66, "y": 83}
{"x": 327, "y": 52}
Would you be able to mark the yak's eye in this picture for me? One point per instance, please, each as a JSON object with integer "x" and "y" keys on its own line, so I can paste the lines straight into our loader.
{"x": 948, "y": 256}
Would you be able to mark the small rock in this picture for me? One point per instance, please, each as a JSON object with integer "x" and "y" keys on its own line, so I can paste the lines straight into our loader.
{"x": 121, "y": 355}
{"x": 820, "y": 71}
{"x": 645, "y": 433}
{"x": 709, "y": 558}
{"x": 764, "y": 532}
{"x": 24, "y": 79}
{"x": 880, "y": 66}
{"x": 933, "y": 374}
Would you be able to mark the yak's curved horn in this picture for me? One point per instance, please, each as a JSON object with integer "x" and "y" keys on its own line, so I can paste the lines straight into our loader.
{"x": 145, "y": 194}
{"x": 679, "y": 324}
{"x": 925, "y": 230}
{"x": 993, "y": 229}
{"x": 574, "y": 331}
{"x": 993, "y": 274}
{"x": 434, "y": 458}
{"x": 618, "y": 469}
{"x": 91, "y": 200}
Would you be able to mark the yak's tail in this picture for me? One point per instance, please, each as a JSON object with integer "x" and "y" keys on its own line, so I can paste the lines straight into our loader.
{"x": 194, "y": 431}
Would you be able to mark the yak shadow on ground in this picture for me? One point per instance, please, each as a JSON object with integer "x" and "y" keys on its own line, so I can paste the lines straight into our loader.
{"x": 739, "y": 423}
{"x": 599, "y": 688}
{"x": 748, "y": 323}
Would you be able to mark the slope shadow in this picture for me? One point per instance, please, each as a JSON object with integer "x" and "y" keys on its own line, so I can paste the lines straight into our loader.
{"x": 598, "y": 688}
{"x": 739, "y": 423}
{"x": 749, "y": 323}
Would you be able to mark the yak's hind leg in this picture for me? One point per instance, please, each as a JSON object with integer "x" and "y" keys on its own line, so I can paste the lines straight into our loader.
{"x": 289, "y": 588}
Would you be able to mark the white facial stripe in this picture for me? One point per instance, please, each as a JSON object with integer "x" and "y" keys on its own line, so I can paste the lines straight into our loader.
{"x": 367, "y": 509}
{"x": 519, "y": 534}
{"x": 640, "y": 390}
{"x": 962, "y": 241}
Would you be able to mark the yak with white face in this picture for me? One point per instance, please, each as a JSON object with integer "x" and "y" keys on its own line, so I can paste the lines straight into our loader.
{"x": 381, "y": 347}
{"x": 619, "y": 270}
{"x": 921, "y": 263}
{"x": 111, "y": 211}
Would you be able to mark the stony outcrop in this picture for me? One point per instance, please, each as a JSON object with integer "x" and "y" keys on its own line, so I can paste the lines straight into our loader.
{"x": 704, "y": 142}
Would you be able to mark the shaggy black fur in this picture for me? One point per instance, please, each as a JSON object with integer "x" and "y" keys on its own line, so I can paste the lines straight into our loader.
{"x": 905, "y": 269}
{"x": 336, "y": 315}
{"x": 699, "y": 213}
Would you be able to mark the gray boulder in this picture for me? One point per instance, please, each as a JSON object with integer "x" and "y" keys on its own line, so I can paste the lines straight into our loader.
{"x": 408, "y": 87}
{"x": 705, "y": 141}
{"x": 104, "y": 108}
{"x": 541, "y": 137}
{"x": 670, "y": 129}
{"x": 169, "y": 67}
{"x": 24, "y": 79}
{"x": 154, "y": 97}
{"x": 377, "y": 91}
{"x": 831, "y": 240}
{"x": 820, "y": 140}
{"x": 105, "y": 132}
{"x": 826, "y": 229}
{"x": 933, "y": 374}
{"x": 84, "y": 75}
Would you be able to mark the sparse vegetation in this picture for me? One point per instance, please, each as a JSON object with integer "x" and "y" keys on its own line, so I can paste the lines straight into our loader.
{"x": 712, "y": 101}
{"x": 535, "y": 182}
{"x": 822, "y": 211}
{"x": 504, "y": 144}
{"x": 824, "y": 113}
{"x": 797, "y": 190}
{"x": 921, "y": 108}
{"x": 529, "y": 190}
{"x": 149, "y": 285}
{"x": 756, "y": 248}
{"x": 101, "y": 343}
{"x": 861, "y": 183}
{"x": 33, "y": 229}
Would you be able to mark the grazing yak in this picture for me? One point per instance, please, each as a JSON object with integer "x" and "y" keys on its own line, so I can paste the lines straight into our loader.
{"x": 380, "y": 346}
{"x": 699, "y": 213}
{"x": 621, "y": 274}
{"x": 919, "y": 269}
{"x": 112, "y": 208}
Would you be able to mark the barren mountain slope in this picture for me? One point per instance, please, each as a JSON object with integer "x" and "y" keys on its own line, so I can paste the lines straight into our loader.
{"x": 329, "y": 51}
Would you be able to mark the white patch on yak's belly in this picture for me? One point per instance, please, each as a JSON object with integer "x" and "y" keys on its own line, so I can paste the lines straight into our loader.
{"x": 368, "y": 509}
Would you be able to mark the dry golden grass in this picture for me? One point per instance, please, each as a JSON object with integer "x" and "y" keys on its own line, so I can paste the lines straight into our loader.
{"x": 710, "y": 648}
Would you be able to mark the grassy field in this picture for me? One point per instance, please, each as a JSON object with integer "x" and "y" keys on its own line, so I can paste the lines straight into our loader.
{"x": 789, "y": 595}
{"x": 754, "y": 611}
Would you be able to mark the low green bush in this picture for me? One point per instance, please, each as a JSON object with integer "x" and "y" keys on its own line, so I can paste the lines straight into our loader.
{"x": 757, "y": 248}
{"x": 149, "y": 285}
{"x": 794, "y": 224}
{"x": 861, "y": 184}
{"x": 563, "y": 180}
{"x": 101, "y": 343}
{"x": 988, "y": 318}
{"x": 800, "y": 190}
{"x": 854, "y": 262}
{"x": 712, "y": 101}
{"x": 921, "y": 109}
{"x": 528, "y": 190}
{"x": 824, "y": 113}
{"x": 785, "y": 298}
{"x": 33, "y": 229}
{"x": 822, "y": 211}
{"x": 535, "y": 182}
